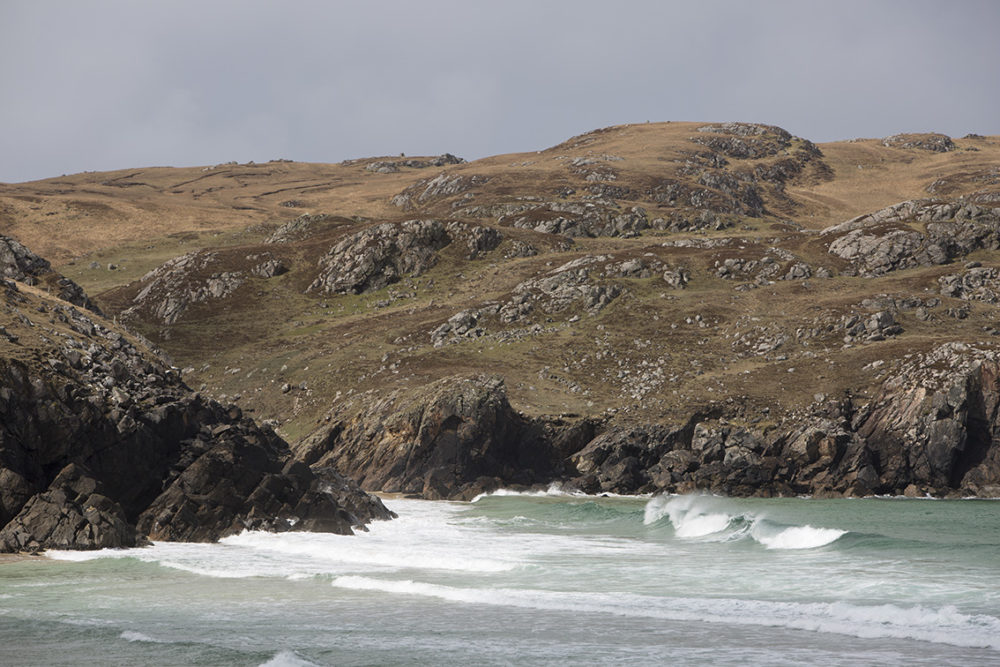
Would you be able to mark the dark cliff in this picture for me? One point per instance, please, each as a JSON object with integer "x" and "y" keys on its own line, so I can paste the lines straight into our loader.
{"x": 102, "y": 445}
{"x": 934, "y": 428}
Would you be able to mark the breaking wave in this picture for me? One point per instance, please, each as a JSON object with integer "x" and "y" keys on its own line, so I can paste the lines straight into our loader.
{"x": 945, "y": 625}
{"x": 288, "y": 659}
{"x": 706, "y": 517}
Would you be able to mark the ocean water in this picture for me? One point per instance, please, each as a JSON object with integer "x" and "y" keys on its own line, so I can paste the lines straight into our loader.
{"x": 544, "y": 579}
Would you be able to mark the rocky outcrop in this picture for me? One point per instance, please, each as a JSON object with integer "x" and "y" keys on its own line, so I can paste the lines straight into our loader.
{"x": 976, "y": 283}
{"x": 579, "y": 219}
{"x": 456, "y": 439}
{"x": 931, "y": 141}
{"x": 869, "y": 327}
{"x": 573, "y": 283}
{"x": 478, "y": 240}
{"x": 580, "y": 286}
{"x": 102, "y": 445}
{"x": 393, "y": 166}
{"x": 880, "y": 242}
{"x": 379, "y": 256}
{"x": 744, "y": 140}
{"x": 934, "y": 428}
{"x": 440, "y": 187}
{"x": 936, "y": 423}
{"x": 949, "y": 184}
{"x": 73, "y": 513}
{"x": 19, "y": 263}
{"x": 170, "y": 289}
{"x": 303, "y": 227}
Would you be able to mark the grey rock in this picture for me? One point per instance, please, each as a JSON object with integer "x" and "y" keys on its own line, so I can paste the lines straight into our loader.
{"x": 19, "y": 263}
{"x": 379, "y": 256}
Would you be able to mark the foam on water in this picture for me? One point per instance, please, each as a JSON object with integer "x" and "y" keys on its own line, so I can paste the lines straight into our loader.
{"x": 132, "y": 636}
{"x": 731, "y": 566}
{"x": 800, "y": 537}
{"x": 364, "y": 550}
{"x": 555, "y": 490}
{"x": 428, "y": 538}
{"x": 288, "y": 659}
{"x": 702, "y": 525}
{"x": 701, "y": 516}
{"x": 943, "y": 625}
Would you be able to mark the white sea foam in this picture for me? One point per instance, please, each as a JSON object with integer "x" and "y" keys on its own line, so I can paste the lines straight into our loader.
{"x": 428, "y": 538}
{"x": 700, "y": 516}
{"x": 132, "y": 636}
{"x": 944, "y": 625}
{"x": 703, "y": 524}
{"x": 391, "y": 549}
{"x": 288, "y": 659}
{"x": 555, "y": 490}
{"x": 691, "y": 516}
{"x": 80, "y": 556}
{"x": 800, "y": 537}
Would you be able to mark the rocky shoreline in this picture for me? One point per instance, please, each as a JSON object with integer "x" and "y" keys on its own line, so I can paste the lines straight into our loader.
{"x": 928, "y": 432}
{"x": 102, "y": 445}
{"x": 660, "y": 308}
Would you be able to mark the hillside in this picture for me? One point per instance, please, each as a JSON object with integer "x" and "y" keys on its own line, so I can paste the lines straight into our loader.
{"x": 654, "y": 285}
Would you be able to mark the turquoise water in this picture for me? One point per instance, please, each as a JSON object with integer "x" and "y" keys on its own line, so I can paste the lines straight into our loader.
{"x": 538, "y": 579}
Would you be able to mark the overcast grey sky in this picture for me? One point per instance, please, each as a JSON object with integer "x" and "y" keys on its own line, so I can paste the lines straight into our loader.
{"x": 101, "y": 85}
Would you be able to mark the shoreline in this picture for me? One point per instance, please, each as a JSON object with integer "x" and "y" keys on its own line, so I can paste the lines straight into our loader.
{"x": 18, "y": 557}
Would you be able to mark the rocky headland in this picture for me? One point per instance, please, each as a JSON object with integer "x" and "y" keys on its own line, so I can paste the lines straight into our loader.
{"x": 651, "y": 308}
{"x": 102, "y": 444}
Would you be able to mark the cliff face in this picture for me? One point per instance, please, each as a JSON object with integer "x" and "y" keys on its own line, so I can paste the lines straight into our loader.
{"x": 102, "y": 445}
{"x": 936, "y": 424}
{"x": 458, "y": 439}
{"x": 934, "y": 428}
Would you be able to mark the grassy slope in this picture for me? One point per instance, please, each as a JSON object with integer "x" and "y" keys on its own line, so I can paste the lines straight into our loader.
{"x": 341, "y": 346}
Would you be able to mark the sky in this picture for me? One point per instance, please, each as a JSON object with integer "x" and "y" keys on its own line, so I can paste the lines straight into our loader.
{"x": 102, "y": 85}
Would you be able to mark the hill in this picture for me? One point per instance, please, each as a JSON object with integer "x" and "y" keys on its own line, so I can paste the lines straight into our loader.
{"x": 600, "y": 311}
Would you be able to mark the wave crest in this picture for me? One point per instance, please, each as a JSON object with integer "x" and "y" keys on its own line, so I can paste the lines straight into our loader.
{"x": 707, "y": 517}
{"x": 945, "y": 625}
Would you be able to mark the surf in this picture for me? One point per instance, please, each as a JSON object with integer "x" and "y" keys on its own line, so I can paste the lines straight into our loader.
{"x": 709, "y": 518}
{"x": 936, "y": 625}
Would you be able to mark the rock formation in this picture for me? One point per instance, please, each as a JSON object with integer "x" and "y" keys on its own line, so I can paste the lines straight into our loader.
{"x": 19, "y": 263}
{"x": 933, "y": 429}
{"x": 457, "y": 439}
{"x": 670, "y": 306}
{"x": 883, "y": 241}
{"x": 382, "y": 255}
{"x": 102, "y": 445}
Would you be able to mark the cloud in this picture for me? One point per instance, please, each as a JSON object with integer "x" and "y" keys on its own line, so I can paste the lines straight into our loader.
{"x": 104, "y": 85}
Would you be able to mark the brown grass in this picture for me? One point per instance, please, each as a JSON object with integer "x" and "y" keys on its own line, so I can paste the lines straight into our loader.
{"x": 342, "y": 346}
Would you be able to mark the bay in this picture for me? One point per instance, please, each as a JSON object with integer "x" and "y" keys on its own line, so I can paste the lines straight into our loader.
{"x": 541, "y": 579}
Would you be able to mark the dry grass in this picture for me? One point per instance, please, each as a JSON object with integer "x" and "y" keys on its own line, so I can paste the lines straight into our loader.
{"x": 270, "y": 333}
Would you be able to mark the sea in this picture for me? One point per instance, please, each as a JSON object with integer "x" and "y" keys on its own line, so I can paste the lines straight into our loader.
{"x": 543, "y": 578}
